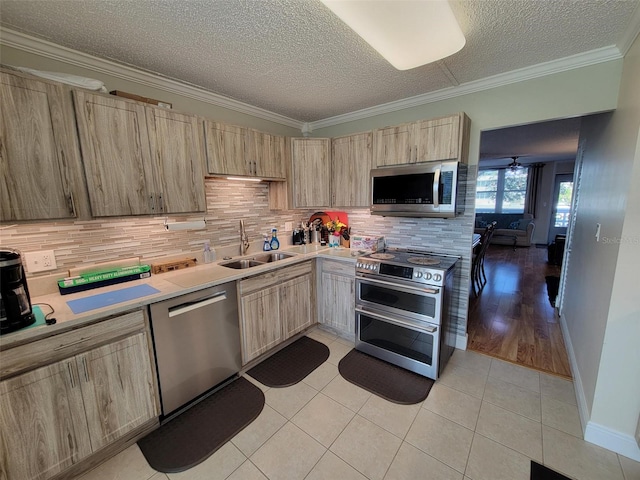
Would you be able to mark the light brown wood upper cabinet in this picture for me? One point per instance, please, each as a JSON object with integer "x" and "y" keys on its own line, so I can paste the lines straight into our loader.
{"x": 393, "y": 145}
{"x": 39, "y": 154}
{"x": 310, "y": 178}
{"x": 178, "y": 160}
{"x": 138, "y": 159}
{"x": 351, "y": 162}
{"x": 233, "y": 150}
{"x": 442, "y": 138}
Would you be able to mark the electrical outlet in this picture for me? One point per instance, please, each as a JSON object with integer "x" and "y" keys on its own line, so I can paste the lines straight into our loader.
{"x": 40, "y": 261}
{"x": 288, "y": 226}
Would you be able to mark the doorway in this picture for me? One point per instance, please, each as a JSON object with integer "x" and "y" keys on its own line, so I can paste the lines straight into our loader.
{"x": 561, "y": 209}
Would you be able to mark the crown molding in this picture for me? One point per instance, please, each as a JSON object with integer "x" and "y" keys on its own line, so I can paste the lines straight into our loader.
{"x": 51, "y": 50}
{"x": 535, "y": 71}
{"x": 631, "y": 32}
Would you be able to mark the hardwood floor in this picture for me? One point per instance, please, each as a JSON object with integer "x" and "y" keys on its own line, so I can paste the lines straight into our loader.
{"x": 512, "y": 318}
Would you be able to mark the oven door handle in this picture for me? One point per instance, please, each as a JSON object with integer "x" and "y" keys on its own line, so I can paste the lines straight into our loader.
{"x": 430, "y": 329}
{"x": 397, "y": 286}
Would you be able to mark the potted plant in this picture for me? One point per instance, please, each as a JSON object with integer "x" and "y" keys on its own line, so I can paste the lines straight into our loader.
{"x": 335, "y": 228}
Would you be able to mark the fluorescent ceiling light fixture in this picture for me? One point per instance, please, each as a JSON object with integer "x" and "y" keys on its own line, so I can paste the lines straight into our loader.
{"x": 407, "y": 33}
{"x": 245, "y": 179}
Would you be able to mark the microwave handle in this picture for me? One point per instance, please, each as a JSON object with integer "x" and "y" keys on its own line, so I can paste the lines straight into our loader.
{"x": 436, "y": 188}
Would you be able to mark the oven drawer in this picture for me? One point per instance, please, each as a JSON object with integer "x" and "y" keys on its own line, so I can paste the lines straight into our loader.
{"x": 421, "y": 303}
{"x": 403, "y": 342}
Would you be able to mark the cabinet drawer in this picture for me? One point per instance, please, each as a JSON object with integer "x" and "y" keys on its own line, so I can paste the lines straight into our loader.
{"x": 275, "y": 277}
{"x": 339, "y": 268}
{"x": 57, "y": 347}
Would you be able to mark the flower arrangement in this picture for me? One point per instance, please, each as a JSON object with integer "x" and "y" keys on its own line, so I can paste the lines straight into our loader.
{"x": 335, "y": 226}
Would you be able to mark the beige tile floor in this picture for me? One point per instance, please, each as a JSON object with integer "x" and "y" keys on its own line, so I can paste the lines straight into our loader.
{"x": 483, "y": 420}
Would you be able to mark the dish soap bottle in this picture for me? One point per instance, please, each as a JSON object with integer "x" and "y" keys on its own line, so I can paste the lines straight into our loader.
{"x": 209, "y": 253}
{"x": 266, "y": 246}
{"x": 275, "y": 243}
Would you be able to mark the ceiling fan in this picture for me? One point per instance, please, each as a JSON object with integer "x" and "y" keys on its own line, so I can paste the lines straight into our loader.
{"x": 514, "y": 165}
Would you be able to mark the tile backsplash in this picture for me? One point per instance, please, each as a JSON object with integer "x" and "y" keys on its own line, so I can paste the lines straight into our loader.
{"x": 78, "y": 243}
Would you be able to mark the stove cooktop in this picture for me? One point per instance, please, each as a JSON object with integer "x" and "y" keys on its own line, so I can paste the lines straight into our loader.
{"x": 407, "y": 265}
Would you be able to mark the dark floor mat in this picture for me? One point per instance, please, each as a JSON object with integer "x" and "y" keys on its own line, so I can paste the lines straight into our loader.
{"x": 291, "y": 364}
{"x": 384, "y": 379}
{"x": 195, "y": 434}
{"x": 540, "y": 472}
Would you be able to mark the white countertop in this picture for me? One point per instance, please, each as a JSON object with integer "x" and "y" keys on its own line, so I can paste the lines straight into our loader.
{"x": 169, "y": 285}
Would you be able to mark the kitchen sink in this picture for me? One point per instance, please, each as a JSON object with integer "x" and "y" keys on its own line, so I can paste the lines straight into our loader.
{"x": 239, "y": 264}
{"x": 272, "y": 257}
{"x": 256, "y": 260}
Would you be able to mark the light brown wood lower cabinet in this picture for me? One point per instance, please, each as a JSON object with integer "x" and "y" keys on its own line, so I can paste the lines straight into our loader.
{"x": 295, "y": 305}
{"x": 337, "y": 296}
{"x": 53, "y": 417}
{"x": 261, "y": 327}
{"x": 274, "y": 307}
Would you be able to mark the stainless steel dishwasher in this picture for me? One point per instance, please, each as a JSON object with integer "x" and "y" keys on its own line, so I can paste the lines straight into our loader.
{"x": 197, "y": 343}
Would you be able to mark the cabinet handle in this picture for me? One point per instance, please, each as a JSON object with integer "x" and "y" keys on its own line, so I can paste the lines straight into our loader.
{"x": 86, "y": 370}
{"x": 160, "y": 202}
{"x": 73, "y": 382}
{"x": 60, "y": 347}
{"x": 152, "y": 203}
{"x": 71, "y": 205}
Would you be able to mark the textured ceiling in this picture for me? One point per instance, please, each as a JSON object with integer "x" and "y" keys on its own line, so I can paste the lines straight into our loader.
{"x": 293, "y": 57}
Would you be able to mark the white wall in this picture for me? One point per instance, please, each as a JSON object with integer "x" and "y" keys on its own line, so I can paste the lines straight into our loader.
{"x": 601, "y": 307}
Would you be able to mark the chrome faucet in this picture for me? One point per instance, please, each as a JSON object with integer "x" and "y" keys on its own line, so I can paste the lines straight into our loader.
{"x": 244, "y": 239}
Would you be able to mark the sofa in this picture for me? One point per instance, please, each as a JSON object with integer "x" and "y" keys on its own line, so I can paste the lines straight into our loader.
{"x": 513, "y": 229}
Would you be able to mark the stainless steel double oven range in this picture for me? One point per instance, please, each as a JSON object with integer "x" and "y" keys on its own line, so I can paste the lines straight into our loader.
{"x": 403, "y": 308}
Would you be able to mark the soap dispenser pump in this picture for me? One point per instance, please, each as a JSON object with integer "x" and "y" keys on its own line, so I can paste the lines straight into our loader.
{"x": 266, "y": 246}
{"x": 275, "y": 243}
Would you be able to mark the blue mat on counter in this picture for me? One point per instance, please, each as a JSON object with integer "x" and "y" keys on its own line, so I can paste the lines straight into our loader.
{"x": 101, "y": 300}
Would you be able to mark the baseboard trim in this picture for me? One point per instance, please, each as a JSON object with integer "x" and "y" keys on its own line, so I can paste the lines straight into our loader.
{"x": 610, "y": 439}
{"x": 593, "y": 432}
{"x": 583, "y": 408}
{"x": 461, "y": 341}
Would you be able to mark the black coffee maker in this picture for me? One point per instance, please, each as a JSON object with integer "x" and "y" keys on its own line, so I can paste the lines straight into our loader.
{"x": 15, "y": 303}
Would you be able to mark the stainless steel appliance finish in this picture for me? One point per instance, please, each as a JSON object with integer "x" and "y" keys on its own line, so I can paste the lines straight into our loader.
{"x": 15, "y": 302}
{"x": 403, "y": 308}
{"x": 197, "y": 343}
{"x": 432, "y": 189}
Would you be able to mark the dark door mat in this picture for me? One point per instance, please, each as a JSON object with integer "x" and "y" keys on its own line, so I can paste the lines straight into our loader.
{"x": 540, "y": 472}
{"x": 291, "y": 364}
{"x": 384, "y": 379}
{"x": 191, "y": 437}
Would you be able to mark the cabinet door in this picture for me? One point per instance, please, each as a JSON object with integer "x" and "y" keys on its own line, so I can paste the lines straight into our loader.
{"x": 351, "y": 162}
{"x": 36, "y": 148}
{"x": 226, "y": 149}
{"x": 437, "y": 139}
{"x": 393, "y": 145}
{"x": 261, "y": 325}
{"x": 43, "y": 428}
{"x": 117, "y": 387}
{"x": 338, "y": 302}
{"x": 116, "y": 155}
{"x": 178, "y": 160}
{"x": 310, "y": 167}
{"x": 271, "y": 163}
{"x": 295, "y": 305}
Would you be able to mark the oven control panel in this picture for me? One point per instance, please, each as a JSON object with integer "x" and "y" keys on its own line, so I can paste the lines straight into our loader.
{"x": 414, "y": 274}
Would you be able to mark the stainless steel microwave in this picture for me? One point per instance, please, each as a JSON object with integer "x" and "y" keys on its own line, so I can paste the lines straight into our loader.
{"x": 433, "y": 189}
